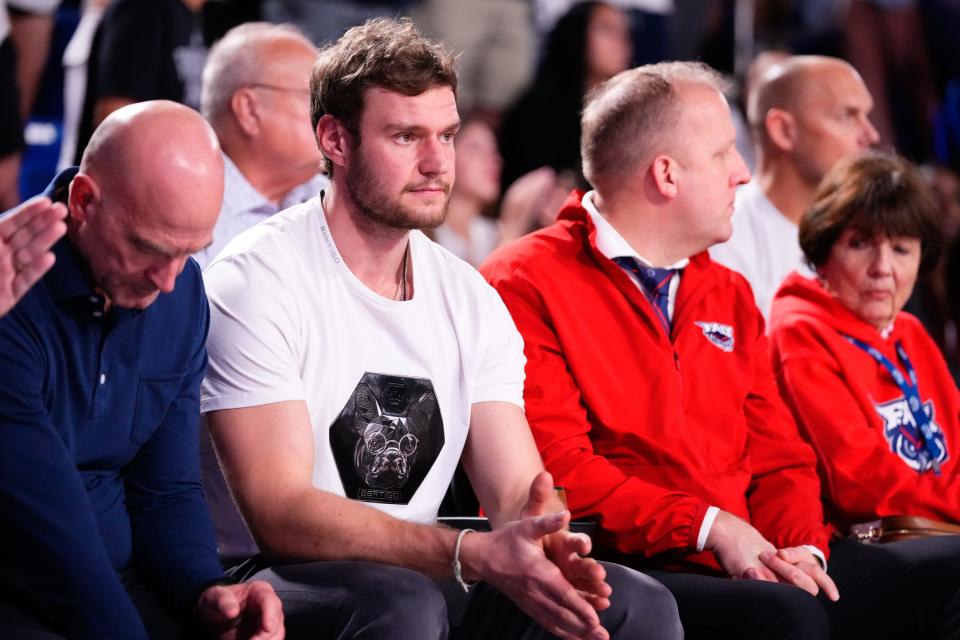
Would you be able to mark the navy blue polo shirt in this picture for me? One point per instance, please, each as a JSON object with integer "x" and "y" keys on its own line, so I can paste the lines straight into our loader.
{"x": 99, "y": 468}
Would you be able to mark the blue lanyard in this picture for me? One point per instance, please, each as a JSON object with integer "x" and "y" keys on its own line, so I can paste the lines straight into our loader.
{"x": 911, "y": 392}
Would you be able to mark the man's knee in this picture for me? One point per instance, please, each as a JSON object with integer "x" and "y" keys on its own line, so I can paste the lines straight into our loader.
{"x": 640, "y": 607}
{"x": 399, "y": 601}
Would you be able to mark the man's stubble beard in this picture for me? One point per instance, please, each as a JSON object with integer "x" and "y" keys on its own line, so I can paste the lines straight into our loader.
{"x": 379, "y": 209}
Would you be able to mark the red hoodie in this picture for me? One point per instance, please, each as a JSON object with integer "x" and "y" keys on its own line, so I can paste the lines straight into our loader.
{"x": 644, "y": 430}
{"x": 855, "y": 415}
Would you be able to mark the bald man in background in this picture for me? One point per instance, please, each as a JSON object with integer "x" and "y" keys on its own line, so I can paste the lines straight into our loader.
{"x": 807, "y": 113}
{"x": 256, "y": 95}
{"x": 106, "y": 534}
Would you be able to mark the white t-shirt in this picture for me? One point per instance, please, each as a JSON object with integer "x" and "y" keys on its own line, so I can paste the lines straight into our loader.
{"x": 388, "y": 385}
{"x": 764, "y": 246}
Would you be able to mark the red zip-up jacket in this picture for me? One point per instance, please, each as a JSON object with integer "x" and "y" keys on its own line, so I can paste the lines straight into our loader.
{"x": 848, "y": 406}
{"x": 644, "y": 430}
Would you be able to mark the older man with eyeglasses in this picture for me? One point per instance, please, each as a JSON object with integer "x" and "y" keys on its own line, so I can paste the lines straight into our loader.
{"x": 256, "y": 96}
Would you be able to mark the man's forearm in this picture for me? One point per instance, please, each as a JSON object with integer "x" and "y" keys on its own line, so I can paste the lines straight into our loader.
{"x": 514, "y": 509}
{"x": 317, "y": 525}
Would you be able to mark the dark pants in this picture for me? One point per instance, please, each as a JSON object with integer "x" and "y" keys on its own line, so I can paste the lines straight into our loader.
{"x": 905, "y": 589}
{"x": 365, "y": 600}
{"x": 900, "y": 590}
{"x": 23, "y": 617}
{"x": 715, "y": 607}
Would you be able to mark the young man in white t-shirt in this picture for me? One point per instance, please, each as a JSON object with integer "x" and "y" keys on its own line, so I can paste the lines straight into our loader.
{"x": 354, "y": 363}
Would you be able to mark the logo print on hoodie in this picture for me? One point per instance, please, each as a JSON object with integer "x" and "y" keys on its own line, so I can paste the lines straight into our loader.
{"x": 905, "y": 440}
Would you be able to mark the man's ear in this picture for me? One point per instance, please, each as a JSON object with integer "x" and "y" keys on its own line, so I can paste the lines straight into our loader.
{"x": 84, "y": 194}
{"x": 332, "y": 136}
{"x": 781, "y": 127}
{"x": 246, "y": 110}
{"x": 665, "y": 175}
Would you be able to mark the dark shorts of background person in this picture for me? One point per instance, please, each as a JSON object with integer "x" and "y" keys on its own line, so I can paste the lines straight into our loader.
{"x": 906, "y": 589}
{"x": 20, "y": 617}
{"x": 11, "y": 126}
{"x": 343, "y": 598}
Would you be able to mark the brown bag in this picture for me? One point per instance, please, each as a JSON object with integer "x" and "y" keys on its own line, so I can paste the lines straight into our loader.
{"x": 897, "y": 528}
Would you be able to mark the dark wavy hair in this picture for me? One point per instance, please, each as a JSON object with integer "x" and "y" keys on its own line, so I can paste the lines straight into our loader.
{"x": 878, "y": 194}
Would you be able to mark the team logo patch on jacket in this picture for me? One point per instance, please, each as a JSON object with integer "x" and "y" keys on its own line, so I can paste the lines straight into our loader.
{"x": 903, "y": 436}
{"x": 720, "y": 335}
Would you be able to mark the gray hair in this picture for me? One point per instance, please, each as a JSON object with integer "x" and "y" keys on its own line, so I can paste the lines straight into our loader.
{"x": 627, "y": 119}
{"x": 237, "y": 60}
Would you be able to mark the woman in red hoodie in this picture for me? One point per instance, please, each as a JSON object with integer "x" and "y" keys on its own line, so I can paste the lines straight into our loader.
{"x": 866, "y": 383}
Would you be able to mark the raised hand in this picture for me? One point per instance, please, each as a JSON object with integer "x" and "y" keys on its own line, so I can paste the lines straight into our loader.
{"x": 26, "y": 235}
{"x": 568, "y": 550}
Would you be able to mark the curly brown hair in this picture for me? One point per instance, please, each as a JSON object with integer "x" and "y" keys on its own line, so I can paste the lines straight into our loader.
{"x": 385, "y": 53}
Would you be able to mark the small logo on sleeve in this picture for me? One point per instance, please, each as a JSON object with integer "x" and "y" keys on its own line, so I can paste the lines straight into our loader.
{"x": 719, "y": 335}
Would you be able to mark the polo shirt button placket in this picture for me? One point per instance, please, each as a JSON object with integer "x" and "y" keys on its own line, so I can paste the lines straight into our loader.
{"x": 100, "y": 384}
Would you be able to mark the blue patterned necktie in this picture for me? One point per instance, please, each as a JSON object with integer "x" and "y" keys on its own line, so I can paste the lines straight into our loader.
{"x": 656, "y": 284}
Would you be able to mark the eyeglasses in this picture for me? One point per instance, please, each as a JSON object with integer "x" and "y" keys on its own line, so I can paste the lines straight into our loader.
{"x": 303, "y": 91}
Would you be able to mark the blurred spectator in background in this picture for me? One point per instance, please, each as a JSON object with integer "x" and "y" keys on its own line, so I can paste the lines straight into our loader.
{"x": 650, "y": 24}
{"x": 76, "y": 58}
{"x": 256, "y": 95}
{"x": 24, "y": 42}
{"x": 143, "y": 50}
{"x": 807, "y": 112}
{"x": 885, "y": 41}
{"x": 11, "y": 125}
{"x": 934, "y": 296}
{"x": 324, "y": 22}
{"x": 466, "y": 231}
{"x": 494, "y": 42}
{"x": 31, "y": 27}
{"x": 469, "y": 231}
{"x": 746, "y": 143}
{"x": 588, "y": 45}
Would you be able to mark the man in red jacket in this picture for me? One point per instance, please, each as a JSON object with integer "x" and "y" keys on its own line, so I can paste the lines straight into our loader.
{"x": 649, "y": 389}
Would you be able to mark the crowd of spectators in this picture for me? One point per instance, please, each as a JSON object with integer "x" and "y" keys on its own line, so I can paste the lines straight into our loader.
{"x": 524, "y": 65}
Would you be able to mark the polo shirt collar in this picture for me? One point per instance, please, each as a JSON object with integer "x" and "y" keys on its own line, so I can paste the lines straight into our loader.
{"x": 67, "y": 278}
{"x": 609, "y": 241}
{"x": 59, "y": 189}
